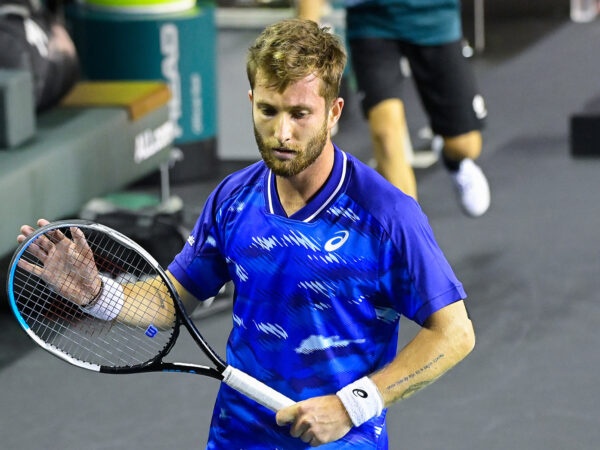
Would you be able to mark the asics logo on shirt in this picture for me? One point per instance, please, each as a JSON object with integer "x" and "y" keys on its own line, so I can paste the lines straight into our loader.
{"x": 336, "y": 242}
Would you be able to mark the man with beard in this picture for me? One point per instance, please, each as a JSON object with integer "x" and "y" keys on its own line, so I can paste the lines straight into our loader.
{"x": 326, "y": 256}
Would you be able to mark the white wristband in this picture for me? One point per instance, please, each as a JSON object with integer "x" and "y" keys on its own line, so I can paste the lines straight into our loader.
{"x": 362, "y": 400}
{"x": 109, "y": 302}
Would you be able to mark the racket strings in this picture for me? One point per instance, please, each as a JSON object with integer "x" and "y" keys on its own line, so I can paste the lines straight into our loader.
{"x": 63, "y": 325}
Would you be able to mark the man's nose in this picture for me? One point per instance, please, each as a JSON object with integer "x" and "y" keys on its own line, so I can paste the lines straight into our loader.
{"x": 283, "y": 129}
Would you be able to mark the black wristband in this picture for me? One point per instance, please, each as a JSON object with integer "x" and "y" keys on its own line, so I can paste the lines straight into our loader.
{"x": 96, "y": 296}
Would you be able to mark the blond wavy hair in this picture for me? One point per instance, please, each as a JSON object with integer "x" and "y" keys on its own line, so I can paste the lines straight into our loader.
{"x": 290, "y": 50}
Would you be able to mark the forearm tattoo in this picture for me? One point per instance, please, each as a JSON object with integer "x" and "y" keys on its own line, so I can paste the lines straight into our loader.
{"x": 414, "y": 387}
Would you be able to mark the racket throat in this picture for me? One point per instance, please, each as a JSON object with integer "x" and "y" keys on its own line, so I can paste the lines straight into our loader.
{"x": 178, "y": 367}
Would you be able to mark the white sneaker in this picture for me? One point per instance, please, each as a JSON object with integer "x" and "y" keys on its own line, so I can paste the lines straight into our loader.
{"x": 472, "y": 188}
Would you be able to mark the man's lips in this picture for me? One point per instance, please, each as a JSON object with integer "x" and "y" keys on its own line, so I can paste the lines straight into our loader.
{"x": 283, "y": 153}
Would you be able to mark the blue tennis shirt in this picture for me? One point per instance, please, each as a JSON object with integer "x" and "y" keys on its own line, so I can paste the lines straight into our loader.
{"x": 318, "y": 295}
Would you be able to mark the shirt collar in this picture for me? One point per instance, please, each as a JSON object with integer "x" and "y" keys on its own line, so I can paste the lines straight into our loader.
{"x": 324, "y": 197}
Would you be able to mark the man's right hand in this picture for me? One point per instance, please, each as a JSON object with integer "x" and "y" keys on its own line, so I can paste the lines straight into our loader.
{"x": 66, "y": 265}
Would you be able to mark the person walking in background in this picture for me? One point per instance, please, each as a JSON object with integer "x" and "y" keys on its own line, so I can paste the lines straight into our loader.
{"x": 428, "y": 33}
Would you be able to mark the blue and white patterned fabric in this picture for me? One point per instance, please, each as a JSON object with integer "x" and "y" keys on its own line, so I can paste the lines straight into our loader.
{"x": 318, "y": 295}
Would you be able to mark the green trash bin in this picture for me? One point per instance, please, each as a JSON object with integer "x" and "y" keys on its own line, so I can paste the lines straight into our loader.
{"x": 158, "y": 40}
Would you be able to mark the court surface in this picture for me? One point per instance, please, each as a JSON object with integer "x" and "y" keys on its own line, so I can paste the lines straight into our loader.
{"x": 531, "y": 267}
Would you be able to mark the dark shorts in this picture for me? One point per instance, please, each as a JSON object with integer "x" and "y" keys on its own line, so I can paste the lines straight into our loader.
{"x": 443, "y": 77}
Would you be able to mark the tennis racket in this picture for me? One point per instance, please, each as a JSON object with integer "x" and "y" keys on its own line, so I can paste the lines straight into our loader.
{"x": 55, "y": 269}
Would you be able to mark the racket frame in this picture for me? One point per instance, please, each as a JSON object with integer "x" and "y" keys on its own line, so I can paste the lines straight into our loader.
{"x": 231, "y": 376}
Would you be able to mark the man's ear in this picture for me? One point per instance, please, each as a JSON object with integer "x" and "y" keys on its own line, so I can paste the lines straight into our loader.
{"x": 250, "y": 95}
{"x": 335, "y": 111}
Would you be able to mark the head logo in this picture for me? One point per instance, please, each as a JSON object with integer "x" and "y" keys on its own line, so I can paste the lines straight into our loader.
{"x": 336, "y": 242}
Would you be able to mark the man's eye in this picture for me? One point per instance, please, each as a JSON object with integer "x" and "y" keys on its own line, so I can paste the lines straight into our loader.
{"x": 268, "y": 111}
{"x": 299, "y": 114}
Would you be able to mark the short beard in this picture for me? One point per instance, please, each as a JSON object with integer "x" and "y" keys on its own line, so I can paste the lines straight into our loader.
{"x": 311, "y": 152}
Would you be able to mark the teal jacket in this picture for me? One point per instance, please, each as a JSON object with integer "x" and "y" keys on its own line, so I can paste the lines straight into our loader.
{"x": 423, "y": 22}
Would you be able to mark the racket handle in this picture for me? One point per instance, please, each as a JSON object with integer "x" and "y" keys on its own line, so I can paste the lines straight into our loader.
{"x": 255, "y": 389}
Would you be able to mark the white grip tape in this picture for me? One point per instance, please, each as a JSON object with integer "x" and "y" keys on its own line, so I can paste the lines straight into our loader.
{"x": 109, "y": 303}
{"x": 362, "y": 400}
{"x": 255, "y": 389}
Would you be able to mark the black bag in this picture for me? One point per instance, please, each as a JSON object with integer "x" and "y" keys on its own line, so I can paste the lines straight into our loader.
{"x": 158, "y": 228}
{"x": 32, "y": 38}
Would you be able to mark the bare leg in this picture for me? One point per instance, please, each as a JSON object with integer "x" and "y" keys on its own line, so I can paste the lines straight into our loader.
{"x": 389, "y": 134}
{"x": 468, "y": 145}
